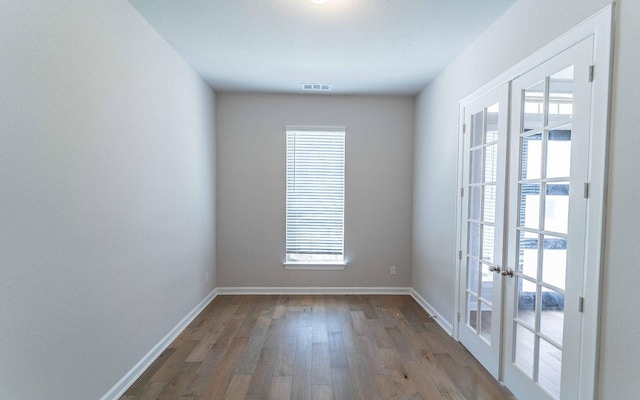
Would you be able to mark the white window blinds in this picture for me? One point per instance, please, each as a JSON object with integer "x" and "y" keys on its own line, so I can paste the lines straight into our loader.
{"x": 315, "y": 195}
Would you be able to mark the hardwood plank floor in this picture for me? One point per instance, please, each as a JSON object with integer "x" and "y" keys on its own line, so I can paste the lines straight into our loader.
{"x": 315, "y": 347}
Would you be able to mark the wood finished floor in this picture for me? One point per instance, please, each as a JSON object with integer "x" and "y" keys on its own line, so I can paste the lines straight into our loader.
{"x": 315, "y": 347}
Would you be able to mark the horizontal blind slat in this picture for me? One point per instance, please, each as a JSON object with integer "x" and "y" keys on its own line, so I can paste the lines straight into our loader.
{"x": 315, "y": 192}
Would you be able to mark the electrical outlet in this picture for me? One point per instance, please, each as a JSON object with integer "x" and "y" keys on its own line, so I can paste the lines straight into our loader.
{"x": 206, "y": 277}
{"x": 392, "y": 270}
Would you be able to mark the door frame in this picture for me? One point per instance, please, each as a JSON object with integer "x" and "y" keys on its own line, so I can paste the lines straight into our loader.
{"x": 600, "y": 26}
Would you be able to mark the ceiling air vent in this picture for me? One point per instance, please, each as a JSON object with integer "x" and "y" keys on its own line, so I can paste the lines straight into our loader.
{"x": 321, "y": 87}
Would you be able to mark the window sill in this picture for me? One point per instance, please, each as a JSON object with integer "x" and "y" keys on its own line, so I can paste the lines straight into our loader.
{"x": 329, "y": 266}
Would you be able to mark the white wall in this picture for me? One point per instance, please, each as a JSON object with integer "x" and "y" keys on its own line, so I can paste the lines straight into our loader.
{"x": 251, "y": 188}
{"x": 620, "y": 316}
{"x": 525, "y": 28}
{"x": 107, "y": 195}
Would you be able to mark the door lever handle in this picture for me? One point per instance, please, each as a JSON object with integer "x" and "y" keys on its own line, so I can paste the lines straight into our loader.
{"x": 507, "y": 272}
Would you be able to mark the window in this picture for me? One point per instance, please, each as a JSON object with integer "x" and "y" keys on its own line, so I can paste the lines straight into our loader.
{"x": 315, "y": 196}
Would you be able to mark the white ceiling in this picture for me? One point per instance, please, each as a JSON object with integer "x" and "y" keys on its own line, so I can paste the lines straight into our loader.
{"x": 358, "y": 46}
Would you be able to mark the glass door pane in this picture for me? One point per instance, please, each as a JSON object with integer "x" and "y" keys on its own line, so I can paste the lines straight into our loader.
{"x": 482, "y": 219}
{"x": 543, "y": 199}
{"x": 481, "y": 214}
{"x": 544, "y": 151}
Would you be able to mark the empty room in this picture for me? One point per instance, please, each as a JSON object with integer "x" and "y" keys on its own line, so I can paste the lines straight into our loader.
{"x": 319, "y": 199}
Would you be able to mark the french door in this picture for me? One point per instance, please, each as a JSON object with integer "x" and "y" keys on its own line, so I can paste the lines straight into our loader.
{"x": 483, "y": 190}
{"x": 523, "y": 226}
{"x": 549, "y": 164}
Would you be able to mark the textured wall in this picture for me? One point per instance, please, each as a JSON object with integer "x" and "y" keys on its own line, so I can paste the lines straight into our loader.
{"x": 251, "y": 187}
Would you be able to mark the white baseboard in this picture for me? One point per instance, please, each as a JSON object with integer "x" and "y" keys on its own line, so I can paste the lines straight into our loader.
{"x": 444, "y": 324}
{"x": 313, "y": 290}
{"x": 134, "y": 373}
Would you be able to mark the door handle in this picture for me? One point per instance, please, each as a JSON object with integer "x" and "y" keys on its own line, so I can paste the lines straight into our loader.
{"x": 507, "y": 272}
{"x": 495, "y": 268}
